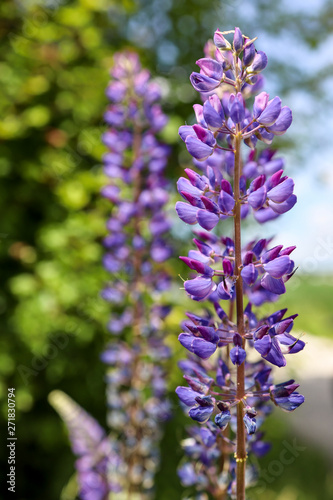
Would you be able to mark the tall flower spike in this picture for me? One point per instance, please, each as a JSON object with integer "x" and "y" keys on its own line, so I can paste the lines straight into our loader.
{"x": 225, "y": 385}
{"x": 136, "y": 248}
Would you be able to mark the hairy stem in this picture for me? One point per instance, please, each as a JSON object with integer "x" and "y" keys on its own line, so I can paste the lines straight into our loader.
{"x": 240, "y": 440}
{"x": 137, "y": 254}
{"x": 137, "y": 311}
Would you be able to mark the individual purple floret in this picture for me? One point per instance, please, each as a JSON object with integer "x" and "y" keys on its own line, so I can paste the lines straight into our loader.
{"x": 229, "y": 391}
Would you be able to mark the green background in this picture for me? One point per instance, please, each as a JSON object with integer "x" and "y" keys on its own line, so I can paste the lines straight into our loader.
{"x": 54, "y": 62}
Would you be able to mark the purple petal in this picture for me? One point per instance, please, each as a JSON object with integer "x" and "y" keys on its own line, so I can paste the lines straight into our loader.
{"x": 203, "y": 247}
{"x": 187, "y": 395}
{"x": 287, "y": 250}
{"x": 195, "y": 254}
{"x": 195, "y": 200}
{"x": 226, "y": 186}
{"x": 222, "y": 419}
{"x": 271, "y": 254}
{"x": 237, "y": 355}
{"x": 263, "y": 345}
{"x": 215, "y": 102}
{"x": 249, "y": 274}
{"x": 290, "y": 403}
{"x": 111, "y": 264}
{"x": 195, "y": 179}
{"x": 198, "y": 266}
{"x": 198, "y": 149}
{"x": 226, "y": 202}
{"x": 111, "y": 193}
{"x": 186, "y": 341}
{"x": 273, "y": 166}
{"x": 260, "y": 448}
{"x": 198, "y": 110}
{"x": 222, "y": 292}
{"x": 289, "y": 340}
{"x": 249, "y": 54}
{"x": 265, "y": 214}
{"x": 204, "y": 135}
{"x": 257, "y": 198}
{"x": 282, "y": 123}
{"x": 249, "y": 258}
{"x": 203, "y": 348}
{"x": 186, "y": 212}
{"x": 203, "y": 83}
{"x": 281, "y": 208}
{"x": 207, "y": 220}
{"x": 209, "y": 333}
{"x": 271, "y": 112}
{"x": 160, "y": 252}
{"x": 265, "y": 136}
{"x": 199, "y": 287}
{"x": 116, "y": 91}
{"x": 259, "y": 62}
{"x": 282, "y": 191}
{"x": 250, "y": 424}
{"x": 187, "y": 475}
{"x": 211, "y": 68}
{"x": 260, "y": 103}
{"x": 212, "y": 117}
{"x": 186, "y": 186}
{"x": 275, "y": 355}
{"x": 257, "y": 183}
{"x": 220, "y": 41}
{"x": 282, "y": 326}
{"x": 274, "y": 285}
{"x": 238, "y": 40}
{"x": 159, "y": 225}
{"x": 278, "y": 267}
{"x": 186, "y": 130}
{"x": 201, "y": 413}
{"x": 208, "y": 438}
{"x": 237, "y": 111}
{"x": 259, "y": 247}
{"x": 227, "y": 267}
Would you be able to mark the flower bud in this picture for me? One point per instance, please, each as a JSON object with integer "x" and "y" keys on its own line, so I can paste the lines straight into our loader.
{"x": 220, "y": 41}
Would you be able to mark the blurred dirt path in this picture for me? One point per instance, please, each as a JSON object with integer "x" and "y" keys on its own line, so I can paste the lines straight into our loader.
{"x": 313, "y": 370}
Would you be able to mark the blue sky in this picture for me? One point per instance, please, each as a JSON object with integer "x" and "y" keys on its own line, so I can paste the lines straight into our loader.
{"x": 310, "y": 224}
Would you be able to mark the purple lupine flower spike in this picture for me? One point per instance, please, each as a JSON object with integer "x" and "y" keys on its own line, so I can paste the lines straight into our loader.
{"x": 226, "y": 385}
{"x": 136, "y": 247}
{"x": 98, "y": 455}
{"x": 138, "y": 229}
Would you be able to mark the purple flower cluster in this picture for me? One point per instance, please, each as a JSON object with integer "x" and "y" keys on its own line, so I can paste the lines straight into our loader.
{"x": 228, "y": 391}
{"x": 136, "y": 248}
{"x": 210, "y": 198}
{"x": 264, "y": 272}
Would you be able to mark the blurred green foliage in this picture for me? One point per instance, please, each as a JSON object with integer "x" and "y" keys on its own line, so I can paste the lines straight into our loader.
{"x": 54, "y": 65}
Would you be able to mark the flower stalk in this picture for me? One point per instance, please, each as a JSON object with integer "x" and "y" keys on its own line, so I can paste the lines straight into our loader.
{"x": 240, "y": 455}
